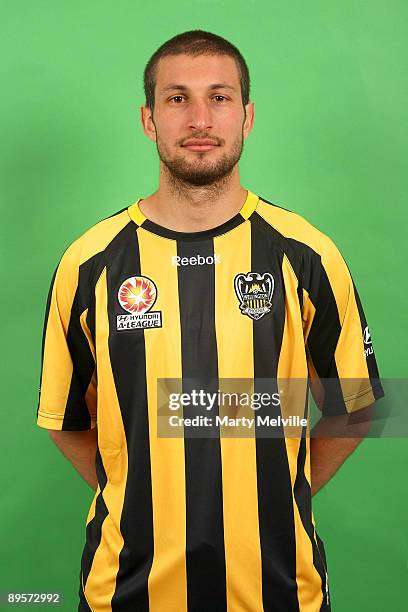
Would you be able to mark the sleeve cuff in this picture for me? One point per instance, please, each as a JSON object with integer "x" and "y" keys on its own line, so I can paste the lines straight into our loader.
{"x": 352, "y": 403}
{"x": 55, "y": 422}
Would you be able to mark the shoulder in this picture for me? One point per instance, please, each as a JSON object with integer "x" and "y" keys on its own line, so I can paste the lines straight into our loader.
{"x": 320, "y": 261}
{"x": 95, "y": 239}
{"x": 82, "y": 262}
{"x": 295, "y": 227}
{"x": 305, "y": 238}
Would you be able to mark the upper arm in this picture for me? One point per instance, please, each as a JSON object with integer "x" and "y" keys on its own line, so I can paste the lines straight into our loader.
{"x": 342, "y": 364}
{"x": 67, "y": 395}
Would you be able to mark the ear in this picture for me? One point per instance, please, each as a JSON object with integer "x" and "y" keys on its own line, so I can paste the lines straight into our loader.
{"x": 146, "y": 117}
{"x": 249, "y": 119}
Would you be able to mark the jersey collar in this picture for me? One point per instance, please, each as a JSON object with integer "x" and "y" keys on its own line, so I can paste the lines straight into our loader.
{"x": 248, "y": 207}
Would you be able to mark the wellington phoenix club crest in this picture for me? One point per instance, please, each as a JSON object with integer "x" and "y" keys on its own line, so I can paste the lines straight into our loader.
{"x": 137, "y": 295}
{"x": 254, "y": 291}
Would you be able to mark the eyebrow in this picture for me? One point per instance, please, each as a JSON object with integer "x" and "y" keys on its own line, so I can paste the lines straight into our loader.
{"x": 175, "y": 86}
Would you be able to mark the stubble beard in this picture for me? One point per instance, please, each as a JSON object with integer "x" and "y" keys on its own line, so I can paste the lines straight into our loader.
{"x": 185, "y": 175}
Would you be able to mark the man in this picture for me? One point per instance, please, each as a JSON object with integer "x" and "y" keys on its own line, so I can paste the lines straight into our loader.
{"x": 201, "y": 281}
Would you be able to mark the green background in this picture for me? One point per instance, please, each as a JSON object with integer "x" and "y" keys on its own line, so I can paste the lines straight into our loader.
{"x": 329, "y": 81}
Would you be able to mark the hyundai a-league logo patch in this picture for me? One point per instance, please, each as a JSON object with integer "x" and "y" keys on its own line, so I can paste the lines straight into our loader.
{"x": 254, "y": 292}
{"x": 137, "y": 296}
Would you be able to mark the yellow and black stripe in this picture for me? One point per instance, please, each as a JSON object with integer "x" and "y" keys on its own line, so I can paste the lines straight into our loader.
{"x": 201, "y": 523}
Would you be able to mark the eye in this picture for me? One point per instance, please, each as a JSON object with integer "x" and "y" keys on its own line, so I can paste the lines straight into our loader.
{"x": 220, "y": 96}
{"x": 176, "y": 98}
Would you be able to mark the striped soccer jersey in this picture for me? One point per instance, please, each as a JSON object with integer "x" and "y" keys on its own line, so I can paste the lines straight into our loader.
{"x": 211, "y": 523}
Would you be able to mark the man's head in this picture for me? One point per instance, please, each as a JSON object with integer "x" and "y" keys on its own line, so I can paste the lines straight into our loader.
{"x": 197, "y": 106}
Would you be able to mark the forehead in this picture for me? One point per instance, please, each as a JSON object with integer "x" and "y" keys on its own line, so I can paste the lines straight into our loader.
{"x": 196, "y": 71}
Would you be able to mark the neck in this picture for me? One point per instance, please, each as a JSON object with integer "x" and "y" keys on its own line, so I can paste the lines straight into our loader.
{"x": 186, "y": 208}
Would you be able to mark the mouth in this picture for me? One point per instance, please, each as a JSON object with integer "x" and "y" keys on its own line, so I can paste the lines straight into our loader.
{"x": 200, "y": 144}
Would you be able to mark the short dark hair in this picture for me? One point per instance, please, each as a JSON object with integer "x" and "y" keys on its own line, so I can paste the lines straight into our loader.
{"x": 195, "y": 42}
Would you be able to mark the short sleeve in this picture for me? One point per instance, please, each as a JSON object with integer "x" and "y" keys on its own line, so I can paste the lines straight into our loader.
{"x": 67, "y": 394}
{"x": 342, "y": 366}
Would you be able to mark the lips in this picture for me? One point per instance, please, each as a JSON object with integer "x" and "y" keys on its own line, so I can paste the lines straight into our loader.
{"x": 200, "y": 144}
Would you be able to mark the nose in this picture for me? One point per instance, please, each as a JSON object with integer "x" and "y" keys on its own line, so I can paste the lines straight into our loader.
{"x": 200, "y": 115}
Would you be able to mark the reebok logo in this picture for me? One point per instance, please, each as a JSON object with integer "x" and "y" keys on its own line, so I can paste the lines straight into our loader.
{"x": 367, "y": 340}
{"x": 367, "y": 336}
{"x": 197, "y": 260}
